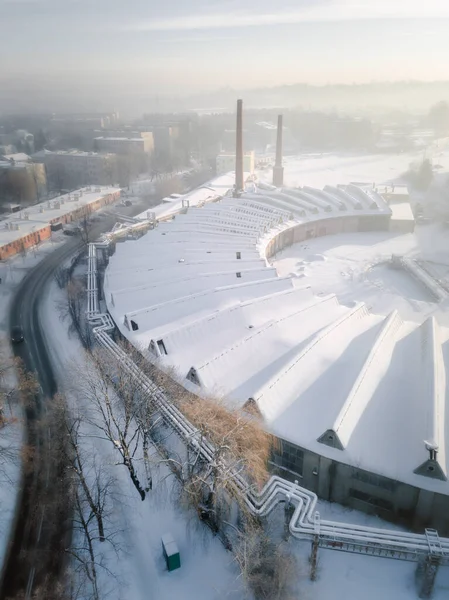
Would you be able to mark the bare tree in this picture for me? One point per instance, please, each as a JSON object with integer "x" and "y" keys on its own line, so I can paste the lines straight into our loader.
{"x": 115, "y": 409}
{"x": 240, "y": 445}
{"x": 62, "y": 276}
{"x": 91, "y": 493}
{"x": 36, "y": 181}
{"x": 270, "y": 571}
{"x": 86, "y": 228}
{"x": 73, "y": 307}
{"x": 8, "y": 394}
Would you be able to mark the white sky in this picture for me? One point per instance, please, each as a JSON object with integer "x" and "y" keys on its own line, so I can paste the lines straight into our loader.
{"x": 188, "y": 45}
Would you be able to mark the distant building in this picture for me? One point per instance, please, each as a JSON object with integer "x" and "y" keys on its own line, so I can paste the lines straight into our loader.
{"x": 6, "y": 149}
{"x": 226, "y": 162}
{"x": 164, "y": 137}
{"x": 125, "y": 145}
{"x": 84, "y": 121}
{"x": 19, "y": 140}
{"x": 21, "y": 180}
{"x": 73, "y": 168}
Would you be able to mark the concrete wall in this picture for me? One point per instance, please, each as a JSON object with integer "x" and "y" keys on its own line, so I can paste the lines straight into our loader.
{"x": 359, "y": 489}
{"x": 327, "y": 226}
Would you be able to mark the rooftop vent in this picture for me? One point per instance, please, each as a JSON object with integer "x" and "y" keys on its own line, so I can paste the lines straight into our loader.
{"x": 431, "y": 467}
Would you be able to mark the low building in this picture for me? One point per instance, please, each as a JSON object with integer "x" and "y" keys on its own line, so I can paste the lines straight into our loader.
{"x": 73, "y": 168}
{"x": 402, "y": 218}
{"x": 394, "y": 193}
{"x": 21, "y": 181}
{"x": 226, "y": 162}
{"x": 27, "y": 228}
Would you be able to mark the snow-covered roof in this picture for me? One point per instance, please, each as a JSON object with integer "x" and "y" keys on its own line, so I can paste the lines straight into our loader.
{"x": 198, "y": 294}
{"x": 401, "y": 211}
{"x": 120, "y": 139}
{"x": 71, "y": 153}
{"x": 36, "y": 217}
{"x": 18, "y": 157}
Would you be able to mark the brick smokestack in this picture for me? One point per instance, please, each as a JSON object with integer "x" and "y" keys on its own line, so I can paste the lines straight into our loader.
{"x": 278, "y": 171}
{"x": 239, "y": 148}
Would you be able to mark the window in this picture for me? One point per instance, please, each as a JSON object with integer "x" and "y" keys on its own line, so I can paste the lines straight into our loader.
{"x": 134, "y": 326}
{"x": 239, "y": 275}
{"x": 161, "y": 346}
{"x": 372, "y": 500}
{"x": 238, "y": 255}
{"x": 291, "y": 457}
{"x": 375, "y": 480}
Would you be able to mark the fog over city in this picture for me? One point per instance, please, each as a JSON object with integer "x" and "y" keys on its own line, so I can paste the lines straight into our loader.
{"x": 69, "y": 53}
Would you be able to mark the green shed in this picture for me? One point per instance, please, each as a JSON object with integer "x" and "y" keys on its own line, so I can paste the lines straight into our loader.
{"x": 171, "y": 552}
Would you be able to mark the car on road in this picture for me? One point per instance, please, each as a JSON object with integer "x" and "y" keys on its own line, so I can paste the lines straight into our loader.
{"x": 72, "y": 231}
{"x": 16, "y": 334}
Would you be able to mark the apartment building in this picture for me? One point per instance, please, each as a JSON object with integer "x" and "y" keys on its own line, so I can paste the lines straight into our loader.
{"x": 125, "y": 145}
{"x": 73, "y": 168}
{"x": 21, "y": 180}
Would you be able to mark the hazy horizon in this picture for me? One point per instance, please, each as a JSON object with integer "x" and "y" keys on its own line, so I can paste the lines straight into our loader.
{"x": 180, "y": 48}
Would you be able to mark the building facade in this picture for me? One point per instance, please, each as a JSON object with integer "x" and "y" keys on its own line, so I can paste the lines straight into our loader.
{"x": 125, "y": 145}
{"x": 71, "y": 169}
{"x": 21, "y": 181}
{"x": 226, "y": 163}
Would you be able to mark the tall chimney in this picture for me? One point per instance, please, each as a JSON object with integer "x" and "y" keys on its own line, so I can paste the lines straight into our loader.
{"x": 278, "y": 170}
{"x": 239, "y": 149}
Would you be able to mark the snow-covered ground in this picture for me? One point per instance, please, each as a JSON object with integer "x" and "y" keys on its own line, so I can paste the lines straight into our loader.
{"x": 345, "y": 576}
{"x": 208, "y": 571}
{"x": 318, "y": 170}
{"x": 354, "y": 267}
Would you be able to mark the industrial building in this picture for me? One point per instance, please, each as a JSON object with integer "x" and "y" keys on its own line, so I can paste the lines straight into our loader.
{"x": 356, "y": 399}
{"x": 29, "y": 227}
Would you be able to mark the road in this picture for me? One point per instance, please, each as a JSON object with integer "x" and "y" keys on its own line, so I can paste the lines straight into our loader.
{"x": 23, "y": 569}
{"x": 39, "y": 539}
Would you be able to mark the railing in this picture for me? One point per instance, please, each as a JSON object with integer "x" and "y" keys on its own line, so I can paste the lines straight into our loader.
{"x": 305, "y": 522}
{"x": 432, "y": 284}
